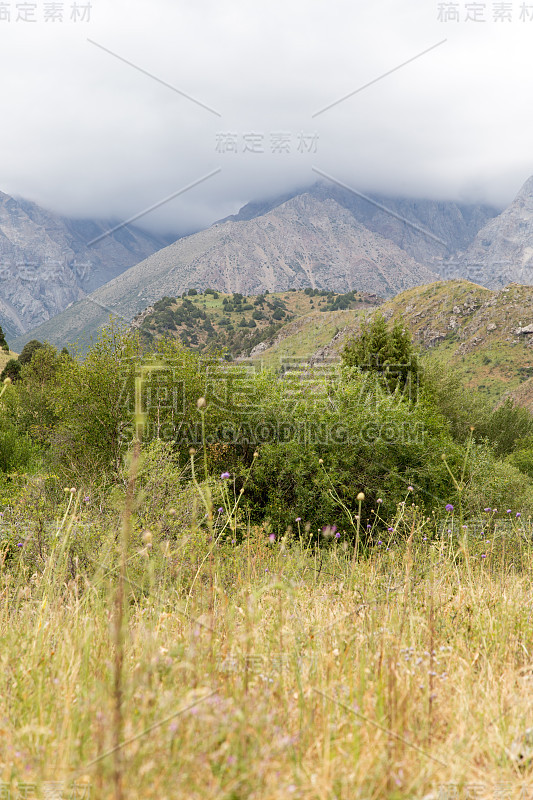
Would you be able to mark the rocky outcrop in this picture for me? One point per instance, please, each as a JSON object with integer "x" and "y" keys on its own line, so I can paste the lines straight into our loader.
{"x": 502, "y": 251}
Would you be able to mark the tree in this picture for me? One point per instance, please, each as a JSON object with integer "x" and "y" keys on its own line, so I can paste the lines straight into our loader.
{"x": 3, "y": 344}
{"x": 28, "y": 350}
{"x": 11, "y": 370}
{"x": 388, "y": 353}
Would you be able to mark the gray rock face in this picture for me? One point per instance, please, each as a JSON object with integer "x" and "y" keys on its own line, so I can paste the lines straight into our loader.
{"x": 502, "y": 251}
{"x": 430, "y": 231}
{"x": 46, "y": 262}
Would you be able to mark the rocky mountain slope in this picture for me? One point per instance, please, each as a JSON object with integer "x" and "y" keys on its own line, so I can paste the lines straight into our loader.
{"x": 502, "y": 251}
{"x": 430, "y": 231}
{"x": 484, "y": 336}
{"x": 305, "y": 242}
{"x": 46, "y": 261}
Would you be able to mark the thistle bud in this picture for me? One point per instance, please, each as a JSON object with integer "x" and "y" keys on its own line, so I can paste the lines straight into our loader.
{"x": 201, "y": 403}
{"x": 360, "y": 497}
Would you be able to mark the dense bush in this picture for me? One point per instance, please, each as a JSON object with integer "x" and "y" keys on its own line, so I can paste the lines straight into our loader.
{"x": 321, "y": 439}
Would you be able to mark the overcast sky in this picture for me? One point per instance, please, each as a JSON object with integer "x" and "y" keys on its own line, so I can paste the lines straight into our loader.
{"x": 87, "y": 134}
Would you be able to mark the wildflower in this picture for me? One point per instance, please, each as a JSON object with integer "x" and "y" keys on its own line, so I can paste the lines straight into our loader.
{"x": 272, "y": 537}
{"x": 518, "y": 514}
{"x": 380, "y": 542}
{"x": 220, "y": 510}
{"x": 379, "y": 500}
{"x": 494, "y": 510}
{"x": 410, "y": 489}
{"x": 328, "y": 531}
{"x": 20, "y": 544}
{"x": 86, "y": 499}
{"x": 390, "y": 530}
{"x": 321, "y": 461}
{"x": 508, "y": 511}
{"x": 483, "y": 555}
{"x": 225, "y": 476}
{"x": 337, "y": 535}
{"x": 298, "y": 519}
{"x": 361, "y": 497}
{"x": 449, "y": 507}
{"x": 486, "y": 509}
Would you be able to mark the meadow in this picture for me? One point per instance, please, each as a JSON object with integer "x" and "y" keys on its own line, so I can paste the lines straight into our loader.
{"x": 210, "y": 598}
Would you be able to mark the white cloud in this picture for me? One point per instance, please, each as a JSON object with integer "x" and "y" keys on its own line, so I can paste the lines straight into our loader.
{"x": 87, "y": 134}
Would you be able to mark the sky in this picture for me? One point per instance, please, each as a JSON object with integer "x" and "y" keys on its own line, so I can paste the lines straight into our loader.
{"x": 193, "y": 109}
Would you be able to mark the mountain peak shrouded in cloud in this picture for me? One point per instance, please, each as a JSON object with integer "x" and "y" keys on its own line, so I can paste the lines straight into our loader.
{"x": 110, "y": 117}
{"x": 48, "y": 262}
{"x": 502, "y": 251}
{"x": 320, "y": 238}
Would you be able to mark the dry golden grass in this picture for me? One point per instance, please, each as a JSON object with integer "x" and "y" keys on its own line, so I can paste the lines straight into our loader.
{"x": 281, "y": 673}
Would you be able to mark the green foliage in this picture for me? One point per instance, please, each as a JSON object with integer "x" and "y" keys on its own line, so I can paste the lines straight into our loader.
{"x": 28, "y": 350}
{"x": 506, "y": 426}
{"x": 17, "y": 451}
{"x": 3, "y": 344}
{"x": 11, "y": 370}
{"x": 387, "y": 352}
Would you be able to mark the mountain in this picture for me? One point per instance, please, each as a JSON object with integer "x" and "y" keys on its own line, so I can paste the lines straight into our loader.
{"x": 502, "y": 251}
{"x": 304, "y": 242}
{"x": 47, "y": 261}
{"x": 430, "y": 231}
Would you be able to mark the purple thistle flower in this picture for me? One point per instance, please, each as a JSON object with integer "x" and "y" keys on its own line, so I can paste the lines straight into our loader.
{"x": 410, "y": 489}
{"x": 298, "y": 519}
{"x": 20, "y": 544}
{"x": 508, "y": 511}
{"x": 272, "y": 537}
{"x": 225, "y": 476}
{"x": 379, "y": 500}
{"x": 449, "y": 507}
{"x": 337, "y": 535}
{"x": 487, "y": 509}
{"x": 390, "y": 530}
{"x": 220, "y": 510}
{"x": 518, "y": 514}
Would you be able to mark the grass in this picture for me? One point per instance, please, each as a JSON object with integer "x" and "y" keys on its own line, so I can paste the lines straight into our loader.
{"x": 264, "y": 669}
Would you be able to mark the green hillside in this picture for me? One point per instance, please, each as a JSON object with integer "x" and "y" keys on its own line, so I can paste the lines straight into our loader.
{"x": 243, "y": 325}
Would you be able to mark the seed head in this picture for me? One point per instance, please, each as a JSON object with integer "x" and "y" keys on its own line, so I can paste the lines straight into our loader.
{"x": 7, "y": 381}
{"x": 361, "y": 497}
{"x": 201, "y": 403}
